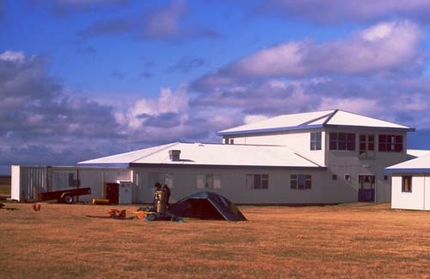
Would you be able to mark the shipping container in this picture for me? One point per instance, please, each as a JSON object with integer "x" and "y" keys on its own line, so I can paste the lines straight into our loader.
{"x": 29, "y": 182}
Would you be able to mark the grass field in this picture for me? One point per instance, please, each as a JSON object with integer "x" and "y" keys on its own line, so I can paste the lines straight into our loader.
{"x": 342, "y": 241}
{"x": 4, "y": 189}
{"x": 5, "y": 186}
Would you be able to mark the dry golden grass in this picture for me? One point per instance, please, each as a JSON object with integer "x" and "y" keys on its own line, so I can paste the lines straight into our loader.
{"x": 343, "y": 241}
{"x": 4, "y": 186}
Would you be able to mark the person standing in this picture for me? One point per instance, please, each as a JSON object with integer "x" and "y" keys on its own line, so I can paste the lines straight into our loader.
{"x": 166, "y": 189}
{"x": 154, "y": 201}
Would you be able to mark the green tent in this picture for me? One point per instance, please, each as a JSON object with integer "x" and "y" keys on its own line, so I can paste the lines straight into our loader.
{"x": 207, "y": 206}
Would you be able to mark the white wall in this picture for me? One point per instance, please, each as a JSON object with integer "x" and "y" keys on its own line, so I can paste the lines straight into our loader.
{"x": 340, "y": 163}
{"x": 15, "y": 183}
{"x": 233, "y": 186}
{"x": 298, "y": 141}
{"x": 426, "y": 182}
{"x": 183, "y": 183}
{"x": 95, "y": 178}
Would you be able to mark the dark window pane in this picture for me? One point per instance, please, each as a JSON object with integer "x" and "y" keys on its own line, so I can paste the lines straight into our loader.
{"x": 257, "y": 181}
{"x": 333, "y": 146}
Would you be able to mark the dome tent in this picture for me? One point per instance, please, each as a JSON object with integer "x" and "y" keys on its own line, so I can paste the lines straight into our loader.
{"x": 207, "y": 206}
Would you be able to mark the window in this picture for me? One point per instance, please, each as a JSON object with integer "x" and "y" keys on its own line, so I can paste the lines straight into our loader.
{"x": 208, "y": 181}
{"x": 72, "y": 181}
{"x": 390, "y": 143}
{"x": 342, "y": 141}
{"x": 228, "y": 141}
{"x": 316, "y": 141}
{"x": 366, "y": 146}
{"x": 160, "y": 177}
{"x": 407, "y": 184}
{"x": 367, "y": 181}
{"x": 300, "y": 181}
{"x": 257, "y": 181}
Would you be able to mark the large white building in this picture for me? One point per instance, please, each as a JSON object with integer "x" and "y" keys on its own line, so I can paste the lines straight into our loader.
{"x": 319, "y": 157}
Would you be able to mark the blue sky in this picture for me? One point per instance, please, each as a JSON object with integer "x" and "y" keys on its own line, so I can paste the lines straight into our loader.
{"x": 81, "y": 79}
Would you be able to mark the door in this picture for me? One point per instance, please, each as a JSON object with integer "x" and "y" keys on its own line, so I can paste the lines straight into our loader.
{"x": 125, "y": 192}
{"x": 366, "y": 191}
{"x": 112, "y": 192}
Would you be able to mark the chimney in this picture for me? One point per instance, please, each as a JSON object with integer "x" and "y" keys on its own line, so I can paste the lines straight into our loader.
{"x": 174, "y": 155}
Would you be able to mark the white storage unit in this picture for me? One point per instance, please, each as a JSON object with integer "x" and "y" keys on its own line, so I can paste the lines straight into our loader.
{"x": 410, "y": 184}
{"x": 29, "y": 181}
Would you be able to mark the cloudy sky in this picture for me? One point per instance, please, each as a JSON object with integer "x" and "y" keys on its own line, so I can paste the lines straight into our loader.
{"x": 81, "y": 79}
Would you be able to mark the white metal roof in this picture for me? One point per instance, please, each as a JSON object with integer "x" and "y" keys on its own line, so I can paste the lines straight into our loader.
{"x": 310, "y": 120}
{"x": 208, "y": 154}
{"x": 414, "y": 153}
{"x": 417, "y": 165}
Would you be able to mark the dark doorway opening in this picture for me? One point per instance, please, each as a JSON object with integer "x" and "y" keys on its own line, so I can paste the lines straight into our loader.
{"x": 366, "y": 191}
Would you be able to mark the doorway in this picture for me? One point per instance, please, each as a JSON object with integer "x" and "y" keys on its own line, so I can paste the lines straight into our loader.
{"x": 366, "y": 191}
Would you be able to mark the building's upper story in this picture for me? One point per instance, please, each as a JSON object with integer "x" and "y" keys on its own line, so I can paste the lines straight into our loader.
{"x": 324, "y": 135}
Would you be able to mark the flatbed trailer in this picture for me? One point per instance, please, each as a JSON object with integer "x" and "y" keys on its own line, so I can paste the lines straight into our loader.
{"x": 65, "y": 196}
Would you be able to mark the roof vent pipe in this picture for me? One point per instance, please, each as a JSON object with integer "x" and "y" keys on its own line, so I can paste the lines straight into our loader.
{"x": 174, "y": 155}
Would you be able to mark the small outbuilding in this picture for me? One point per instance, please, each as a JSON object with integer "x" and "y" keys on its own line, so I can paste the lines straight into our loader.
{"x": 410, "y": 184}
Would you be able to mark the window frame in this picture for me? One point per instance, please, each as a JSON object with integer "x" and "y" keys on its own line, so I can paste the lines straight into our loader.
{"x": 208, "y": 181}
{"x": 257, "y": 181}
{"x": 366, "y": 146}
{"x": 300, "y": 182}
{"x": 165, "y": 178}
{"x": 342, "y": 141}
{"x": 406, "y": 183}
{"x": 315, "y": 140}
{"x": 390, "y": 143}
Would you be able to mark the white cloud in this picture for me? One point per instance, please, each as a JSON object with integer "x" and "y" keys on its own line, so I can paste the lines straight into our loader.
{"x": 283, "y": 59}
{"x": 38, "y": 121}
{"x": 15, "y": 56}
{"x": 358, "y": 105}
{"x": 169, "y": 102}
{"x": 393, "y": 46}
{"x": 249, "y": 119}
{"x": 382, "y": 47}
{"x": 277, "y": 84}
{"x": 379, "y": 31}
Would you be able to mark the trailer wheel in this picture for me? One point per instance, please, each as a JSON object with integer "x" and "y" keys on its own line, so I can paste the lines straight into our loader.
{"x": 68, "y": 199}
